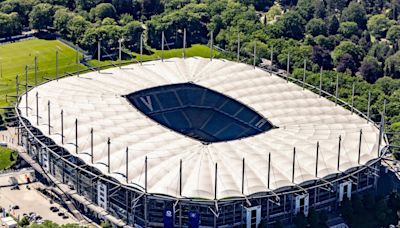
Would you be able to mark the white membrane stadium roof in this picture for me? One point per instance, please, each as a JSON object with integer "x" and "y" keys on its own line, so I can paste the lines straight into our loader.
{"x": 302, "y": 118}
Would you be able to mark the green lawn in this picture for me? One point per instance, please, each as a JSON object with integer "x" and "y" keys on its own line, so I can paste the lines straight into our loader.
{"x": 195, "y": 50}
{"x": 15, "y": 56}
{"x": 7, "y": 158}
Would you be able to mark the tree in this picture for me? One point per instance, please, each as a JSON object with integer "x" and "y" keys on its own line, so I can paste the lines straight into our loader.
{"x": 322, "y": 57}
{"x": 346, "y": 63}
{"x": 173, "y": 23}
{"x": 381, "y": 51}
{"x": 86, "y": 4}
{"x": 10, "y": 24}
{"x": 132, "y": 32}
{"x": 333, "y": 25}
{"x": 347, "y": 47}
{"x": 127, "y": 6}
{"x": 292, "y": 25}
{"x": 348, "y": 29}
{"x": 355, "y": 12}
{"x": 306, "y": 8}
{"x": 77, "y": 27}
{"x": 316, "y": 27}
{"x": 61, "y": 19}
{"x": 259, "y": 5}
{"x": 392, "y": 66}
{"x": 107, "y": 34}
{"x": 388, "y": 85}
{"x": 320, "y": 9}
{"x": 102, "y": 11}
{"x": 371, "y": 69}
{"x": 327, "y": 43}
{"x": 21, "y": 7}
{"x": 393, "y": 34}
{"x": 379, "y": 24}
{"x": 41, "y": 16}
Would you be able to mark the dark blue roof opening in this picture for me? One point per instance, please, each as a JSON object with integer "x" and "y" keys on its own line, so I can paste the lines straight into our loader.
{"x": 199, "y": 112}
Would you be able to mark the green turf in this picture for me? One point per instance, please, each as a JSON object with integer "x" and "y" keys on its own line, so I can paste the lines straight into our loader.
{"x": 15, "y": 56}
{"x": 195, "y": 50}
{"x": 7, "y": 158}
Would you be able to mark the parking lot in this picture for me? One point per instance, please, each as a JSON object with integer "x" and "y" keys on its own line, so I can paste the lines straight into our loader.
{"x": 31, "y": 202}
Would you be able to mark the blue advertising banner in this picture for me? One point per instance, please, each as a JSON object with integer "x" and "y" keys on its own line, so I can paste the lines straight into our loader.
{"x": 168, "y": 218}
{"x": 194, "y": 219}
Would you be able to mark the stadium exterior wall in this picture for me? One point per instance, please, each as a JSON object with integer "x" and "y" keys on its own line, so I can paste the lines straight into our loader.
{"x": 107, "y": 199}
{"x": 128, "y": 205}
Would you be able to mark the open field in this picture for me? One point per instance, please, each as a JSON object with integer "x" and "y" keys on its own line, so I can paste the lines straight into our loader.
{"x": 5, "y": 158}
{"x": 15, "y": 56}
{"x": 195, "y": 50}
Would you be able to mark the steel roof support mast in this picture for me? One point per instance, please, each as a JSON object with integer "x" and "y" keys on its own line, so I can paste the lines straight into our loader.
{"x": 254, "y": 54}
{"x": 382, "y": 127}
{"x": 62, "y": 126}
{"x": 56, "y": 64}
{"x": 37, "y": 108}
{"x": 238, "y": 48}
{"x": 48, "y": 117}
{"x": 162, "y": 46}
{"x": 120, "y": 52}
{"x": 141, "y": 48}
{"x": 26, "y": 90}
{"x": 211, "y": 45}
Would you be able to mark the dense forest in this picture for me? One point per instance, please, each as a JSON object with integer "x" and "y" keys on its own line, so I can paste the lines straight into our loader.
{"x": 359, "y": 40}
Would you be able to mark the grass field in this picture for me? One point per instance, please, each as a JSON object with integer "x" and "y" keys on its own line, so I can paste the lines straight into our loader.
{"x": 7, "y": 158}
{"x": 194, "y": 50}
{"x": 15, "y": 56}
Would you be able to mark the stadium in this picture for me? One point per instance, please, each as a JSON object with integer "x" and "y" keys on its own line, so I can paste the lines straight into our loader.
{"x": 191, "y": 142}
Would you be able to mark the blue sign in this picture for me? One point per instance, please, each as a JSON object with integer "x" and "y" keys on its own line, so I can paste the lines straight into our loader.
{"x": 168, "y": 218}
{"x": 194, "y": 219}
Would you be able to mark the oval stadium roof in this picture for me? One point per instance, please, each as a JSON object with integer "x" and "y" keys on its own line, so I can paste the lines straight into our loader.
{"x": 300, "y": 119}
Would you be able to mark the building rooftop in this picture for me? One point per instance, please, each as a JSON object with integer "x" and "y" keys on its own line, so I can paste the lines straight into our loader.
{"x": 175, "y": 111}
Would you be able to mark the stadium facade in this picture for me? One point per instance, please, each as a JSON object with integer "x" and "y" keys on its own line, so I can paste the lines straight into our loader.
{"x": 196, "y": 142}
